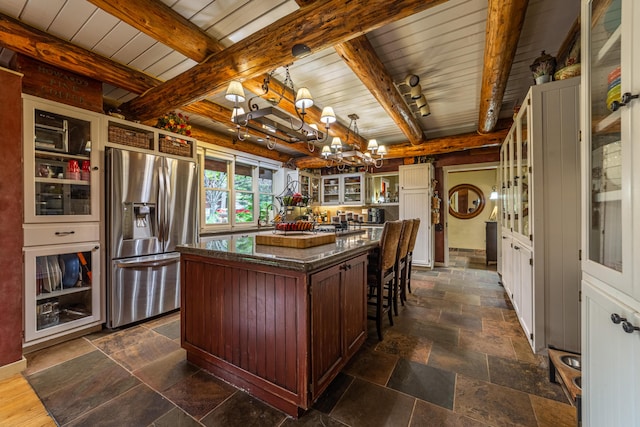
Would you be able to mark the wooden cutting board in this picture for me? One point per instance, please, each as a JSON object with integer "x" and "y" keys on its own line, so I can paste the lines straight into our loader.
{"x": 295, "y": 240}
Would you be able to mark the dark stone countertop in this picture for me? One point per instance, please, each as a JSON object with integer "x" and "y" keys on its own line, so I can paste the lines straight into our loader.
{"x": 242, "y": 247}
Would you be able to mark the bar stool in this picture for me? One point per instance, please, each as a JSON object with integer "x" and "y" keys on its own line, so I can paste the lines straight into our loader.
{"x": 401, "y": 263}
{"x": 412, "y": 245}
{"x": 381, "y": 274}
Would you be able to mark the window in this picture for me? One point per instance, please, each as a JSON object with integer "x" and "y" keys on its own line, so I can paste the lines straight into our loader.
{"x": 265, "y": 190}
{"x": 216, "y": 190}
{"x": 244, "y": 194}
{"x": 236, "y": 191}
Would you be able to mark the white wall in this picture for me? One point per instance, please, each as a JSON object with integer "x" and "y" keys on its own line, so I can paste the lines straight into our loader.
{"x": 470, "y": 233}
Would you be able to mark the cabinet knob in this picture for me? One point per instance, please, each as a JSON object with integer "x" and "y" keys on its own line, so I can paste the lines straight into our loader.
{"x": 615, "y": 318}
{"x": 516, "y": 247}
{"x": 64, "y": 233}
{"x": 95, "y": 168}
{"x": 625, "y": 99}
{"x": 629, "y": 328}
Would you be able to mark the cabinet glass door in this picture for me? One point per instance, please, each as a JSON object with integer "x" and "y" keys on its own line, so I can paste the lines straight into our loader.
{"x": 522, "y": 173}
{"x": 331, "y": 190}
{"x": 504, "y": 180}
{"x": 61, "y": 288}
{"x": 305, "y": 185}
{"x": 314, "y": 190}
{"x": 605, "y": 217}
{"x": 60, "y": 153}
{"x": 353, "y": 189}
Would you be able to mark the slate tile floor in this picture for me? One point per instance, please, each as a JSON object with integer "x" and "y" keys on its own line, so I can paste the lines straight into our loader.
{"x": 456, "y": 356}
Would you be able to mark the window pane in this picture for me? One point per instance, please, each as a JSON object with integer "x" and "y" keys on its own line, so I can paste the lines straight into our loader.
{"x": 216, "y": 207}
{"x": 265, "y": 181}
{"x": 216, "y": 173}
{"x": 243, "y": 178}
{"x": 244, "y": 207}
{"x": 266, "y": 204}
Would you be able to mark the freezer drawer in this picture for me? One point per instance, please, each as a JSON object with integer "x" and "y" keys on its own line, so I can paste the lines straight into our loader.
{"x": 143, "y": 287}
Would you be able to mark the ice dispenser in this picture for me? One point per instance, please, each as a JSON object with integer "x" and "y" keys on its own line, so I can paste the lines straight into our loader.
{"x": 139, "y": 221}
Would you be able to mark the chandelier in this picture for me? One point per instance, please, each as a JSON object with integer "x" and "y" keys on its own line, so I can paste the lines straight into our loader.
{"x": 343, "y": 155}
{"x": 274, "y": 123}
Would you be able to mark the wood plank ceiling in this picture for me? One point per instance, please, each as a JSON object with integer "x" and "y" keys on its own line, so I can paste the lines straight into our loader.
{"x": 471, "y": 56}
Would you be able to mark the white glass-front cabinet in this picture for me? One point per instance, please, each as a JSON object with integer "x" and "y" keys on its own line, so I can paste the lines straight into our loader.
{"x": 60, "y": 162}
{"x": 540, "y": 166}
{"x": 611, "y": 206}
{"x": 344, "y": 189}
{"x": 62, "y": 281}
{"x": 62, "y": 289}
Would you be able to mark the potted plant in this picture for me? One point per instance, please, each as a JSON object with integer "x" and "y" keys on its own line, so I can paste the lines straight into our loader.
{"x": 543, "y": 68}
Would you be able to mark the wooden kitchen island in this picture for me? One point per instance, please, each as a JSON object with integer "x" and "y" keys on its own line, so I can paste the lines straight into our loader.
{"x": 279, "y": 323}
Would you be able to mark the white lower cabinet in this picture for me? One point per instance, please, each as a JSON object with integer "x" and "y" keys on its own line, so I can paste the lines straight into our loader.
{"x": 526, "y": 301}
{"x": 507, "y": 264}
{"x": 610, "y": 355}
{"x": 517, "y": 278}
{"x": 62, "y": 290}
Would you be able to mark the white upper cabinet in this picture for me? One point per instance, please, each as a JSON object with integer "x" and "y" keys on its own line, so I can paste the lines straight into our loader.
{"x": 61, "y": 174}
{"x": 611, "y": 44}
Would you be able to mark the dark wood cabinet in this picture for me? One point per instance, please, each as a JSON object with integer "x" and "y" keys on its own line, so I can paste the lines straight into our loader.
{"x": 282, "y": 335}
{"x": 491, "y": 241}
{"x": 338, "y": 319}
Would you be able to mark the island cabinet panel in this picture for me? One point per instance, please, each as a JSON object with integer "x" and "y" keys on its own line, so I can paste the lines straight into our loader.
{"x": 338, "y": 319}
{"x": 282, "y": 335}
{"x": 247, "y": 326}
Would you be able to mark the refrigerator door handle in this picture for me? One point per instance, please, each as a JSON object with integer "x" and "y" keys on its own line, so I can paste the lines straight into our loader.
{"x": 146, "y": 264}
{"x": 160, "y": 210}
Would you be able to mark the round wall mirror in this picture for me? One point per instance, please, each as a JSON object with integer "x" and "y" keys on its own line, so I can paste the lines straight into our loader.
{"x": 465, "y": 201}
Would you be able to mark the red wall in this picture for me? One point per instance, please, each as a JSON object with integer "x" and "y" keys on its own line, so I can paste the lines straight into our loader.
{"x": 11, "y": 195}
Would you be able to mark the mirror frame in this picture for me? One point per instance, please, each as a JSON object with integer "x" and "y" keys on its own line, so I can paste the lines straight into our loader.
{"x": 469, "y": 215}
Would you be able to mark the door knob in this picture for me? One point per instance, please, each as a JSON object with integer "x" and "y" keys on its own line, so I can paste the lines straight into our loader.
{"x": 624, "y": 100}
{"x": 629, "y": 328}
{"x": 615, "y": 318}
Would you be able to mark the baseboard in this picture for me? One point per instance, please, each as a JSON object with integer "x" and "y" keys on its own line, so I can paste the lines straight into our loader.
{"x": 11, "y": 369}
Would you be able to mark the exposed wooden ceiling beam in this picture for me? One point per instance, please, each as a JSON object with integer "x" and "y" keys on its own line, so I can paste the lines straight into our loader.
{"x": 360, "y": 56}
{"x": 505, "y": 19}
{"x": 319, "y": 27}
{"x": 436, "y": 146}
{"x": 44, "y": 47}
{"x": 163, "y": 24}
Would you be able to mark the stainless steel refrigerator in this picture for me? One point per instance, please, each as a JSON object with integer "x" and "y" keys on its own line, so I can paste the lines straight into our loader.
{"x": 151, "y": 208}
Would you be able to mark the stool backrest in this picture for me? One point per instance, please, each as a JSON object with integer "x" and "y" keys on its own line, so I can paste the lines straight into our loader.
{"x": 414, "y": 234}
{"x": 389, "y": 244}
{"x": 405, "y": 237}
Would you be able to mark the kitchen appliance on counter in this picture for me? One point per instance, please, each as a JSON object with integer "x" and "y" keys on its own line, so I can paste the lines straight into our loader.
{"x": 376, "y": 216}
{"x": 151, "y": 208}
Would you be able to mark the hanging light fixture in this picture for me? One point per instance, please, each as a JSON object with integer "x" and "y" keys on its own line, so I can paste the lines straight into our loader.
{"x": 280, "y": 125}
{"x": 353, "y": 156}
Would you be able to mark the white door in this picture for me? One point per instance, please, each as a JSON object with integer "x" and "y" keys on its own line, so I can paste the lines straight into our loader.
{"x": 415, "y": 204}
